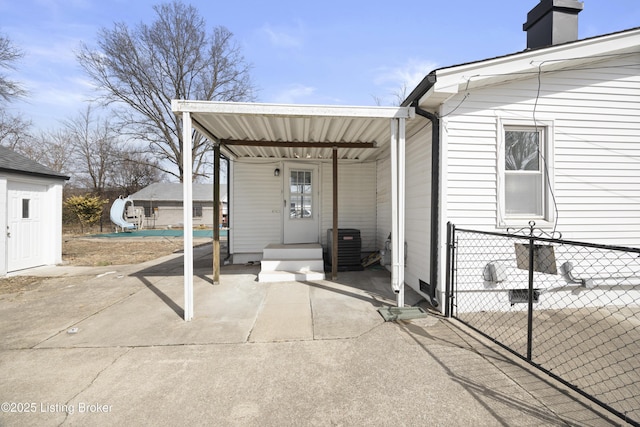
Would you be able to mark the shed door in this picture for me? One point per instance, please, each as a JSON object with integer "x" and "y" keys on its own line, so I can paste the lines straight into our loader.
{"x": 301, "y": 213}
{"x": 25, "y": 233}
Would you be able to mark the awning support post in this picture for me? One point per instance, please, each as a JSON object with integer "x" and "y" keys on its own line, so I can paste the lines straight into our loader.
{"x": 216, "y": 214}
{"x": 187, "y": 185}
{"x": 397, "y": 207}
{"x": 334, "y": 248}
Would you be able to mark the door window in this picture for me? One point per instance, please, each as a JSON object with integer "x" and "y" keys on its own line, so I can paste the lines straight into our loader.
{"x": 25, "y": 208}
{"x": 300, "y": 194}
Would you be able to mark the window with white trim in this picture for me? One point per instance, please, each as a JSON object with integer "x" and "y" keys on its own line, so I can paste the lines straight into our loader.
{"x": 524, "y": 156}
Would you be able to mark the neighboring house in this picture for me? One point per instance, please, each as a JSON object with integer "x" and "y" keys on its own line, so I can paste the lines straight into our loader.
{"x": 162, "y": 203}
{"x": 30, "y": 213}
{"x": 550, "y": 134}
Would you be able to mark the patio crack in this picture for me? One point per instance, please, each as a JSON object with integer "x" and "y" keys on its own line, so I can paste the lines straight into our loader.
{"x": 255, "y": 319}
{"x": 313, "y": 323}
{"x": 95, "y": 378}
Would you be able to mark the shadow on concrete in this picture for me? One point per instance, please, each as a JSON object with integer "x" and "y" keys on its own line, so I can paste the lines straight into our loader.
{"x": 530, "y": 380}
{"x": 370, "y": 285}
{"x": 164, "y": 297}
{"x": 172, "y": 267}
{"x": 372, "y": 298}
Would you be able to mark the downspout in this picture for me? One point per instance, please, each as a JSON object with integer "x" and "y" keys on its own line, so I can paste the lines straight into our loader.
{"x": 435, "y": 199}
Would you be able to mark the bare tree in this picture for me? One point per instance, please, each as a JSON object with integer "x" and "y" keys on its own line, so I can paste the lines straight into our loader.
{"x": 14, "y": 131}
{"x": 54, "y": 149}
{"x": 9, "y": 54}
{"x": 401, "y": 94}
{"x": 174, "y": 57}
{"x": 134, "y": 171}
{"x": 398, "y": 95}
{"x": 96, "y": 148}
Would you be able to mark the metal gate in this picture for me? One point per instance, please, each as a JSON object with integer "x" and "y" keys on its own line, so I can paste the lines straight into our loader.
{"x": 571, "y": 309}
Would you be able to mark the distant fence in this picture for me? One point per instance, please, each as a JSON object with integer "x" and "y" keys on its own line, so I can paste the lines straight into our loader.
{"x": 571, "y": 309}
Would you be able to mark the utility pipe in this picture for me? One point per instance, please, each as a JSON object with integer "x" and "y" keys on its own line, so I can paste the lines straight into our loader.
{"x": 435, "y": 200}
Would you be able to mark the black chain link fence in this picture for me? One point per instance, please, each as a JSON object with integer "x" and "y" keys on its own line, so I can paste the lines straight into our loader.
{"x": 572, "y": 309}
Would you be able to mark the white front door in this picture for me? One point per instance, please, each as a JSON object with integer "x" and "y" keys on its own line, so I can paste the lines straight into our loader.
{"x": 301, "y": 212}
{"x": 24, "y": 231}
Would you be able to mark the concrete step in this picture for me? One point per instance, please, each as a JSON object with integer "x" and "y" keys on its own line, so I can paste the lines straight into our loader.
{"x": 299, "y": 265}
{"x": 291, "y": 263}
{"x": 297, "y": 251}
{"x": 289, "y": 276}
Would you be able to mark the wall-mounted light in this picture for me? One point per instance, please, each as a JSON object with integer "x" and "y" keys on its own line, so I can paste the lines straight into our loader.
{"x": 276, "y": 172}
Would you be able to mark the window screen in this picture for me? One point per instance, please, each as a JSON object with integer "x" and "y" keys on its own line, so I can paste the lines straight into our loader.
{"x": 524, "y": 181}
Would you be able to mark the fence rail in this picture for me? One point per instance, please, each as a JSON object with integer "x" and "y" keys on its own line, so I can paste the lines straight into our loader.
{"x": 570, "y": 308}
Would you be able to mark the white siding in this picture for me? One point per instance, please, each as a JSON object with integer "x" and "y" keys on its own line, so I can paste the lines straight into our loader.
{"x": 49, "y": 212}
{"x": 4, "y": 212}
{"x": 257, "y": 196}
{"x": 418, "y": 203}
{"x": 596, "y": 116}
{"x": 383, "y": 201}
{"x": 257, "y": 211}
{"x": 356, "y": 201}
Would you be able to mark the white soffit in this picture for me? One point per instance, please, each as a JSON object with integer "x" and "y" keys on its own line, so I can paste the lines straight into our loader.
{"x": 315, "y": 124}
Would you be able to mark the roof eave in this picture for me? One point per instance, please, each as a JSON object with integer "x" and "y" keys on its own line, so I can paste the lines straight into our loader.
{"x": 440, "y": 84}
{"x": 289, "y": 110}
{"x": 37, "y": 174}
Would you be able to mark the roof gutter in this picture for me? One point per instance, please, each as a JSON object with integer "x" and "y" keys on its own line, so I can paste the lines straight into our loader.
{"x": 419, "y": 91}
{"x": 414, "y": 99}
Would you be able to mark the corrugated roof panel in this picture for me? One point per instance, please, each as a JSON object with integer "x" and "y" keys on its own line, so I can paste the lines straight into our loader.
{"x": 298, "y": 124}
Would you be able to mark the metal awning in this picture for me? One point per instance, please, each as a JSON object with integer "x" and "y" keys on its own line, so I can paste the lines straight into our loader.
{"x": 294, "y": 131}
{"x": 314, "y": 132}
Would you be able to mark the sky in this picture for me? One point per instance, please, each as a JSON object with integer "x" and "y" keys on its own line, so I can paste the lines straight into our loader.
{"x": 347, "y": 52}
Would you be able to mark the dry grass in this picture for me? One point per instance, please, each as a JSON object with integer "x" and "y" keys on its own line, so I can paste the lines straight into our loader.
{"x": 116, "y": 251}
{"x": 10, "y": 285}
{"x": 94, "y": 252}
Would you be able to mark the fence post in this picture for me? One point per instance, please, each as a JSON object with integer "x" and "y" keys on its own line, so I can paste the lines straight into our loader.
{"x": 530, "y": 299}
{"x": 448, "y": 305}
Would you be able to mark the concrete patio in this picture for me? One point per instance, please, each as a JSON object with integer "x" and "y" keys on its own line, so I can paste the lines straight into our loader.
{"x": 107, "y": 345}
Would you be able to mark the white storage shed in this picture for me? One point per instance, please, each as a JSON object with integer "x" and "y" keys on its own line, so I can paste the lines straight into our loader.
{"x": 30, "y": 213}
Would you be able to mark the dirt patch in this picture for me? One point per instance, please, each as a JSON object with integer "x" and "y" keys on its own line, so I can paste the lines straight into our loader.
{"x": 95, "y": 252}
{"x": 16, "y": 284}
{"x": 116, "y": 251}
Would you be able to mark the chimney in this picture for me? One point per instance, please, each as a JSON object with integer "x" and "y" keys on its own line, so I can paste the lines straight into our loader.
{"x": 552, "y": 22}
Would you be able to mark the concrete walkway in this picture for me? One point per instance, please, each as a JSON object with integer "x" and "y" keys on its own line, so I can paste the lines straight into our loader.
{"x": 108, "y": 346}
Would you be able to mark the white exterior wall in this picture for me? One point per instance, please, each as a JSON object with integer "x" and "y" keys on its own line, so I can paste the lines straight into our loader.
{"x": 55, "y": 200}
{"x": 596, "y": 117}
{"x": 257, "y": 203}
{"x": 257, "y": 200}
{"x": 50, "y": 215}
{"x": 596, "y": 158}
{"x": 4, "y": 222}
{"x": 383, "y": 201}
{"x": 418, "y": 203}
{"x": 356, "y": 201}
